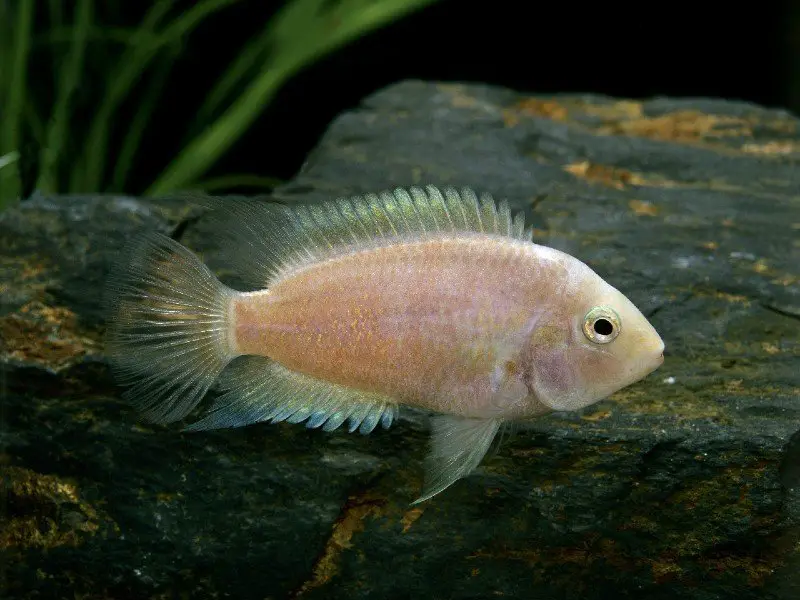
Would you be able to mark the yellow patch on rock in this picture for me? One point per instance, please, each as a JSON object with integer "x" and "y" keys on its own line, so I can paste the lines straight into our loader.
{"x": 46, "y": 335}
{"x": 41, "y": 524}
{"x": 351, "y": 521}
{"x": 642, "y": 208}
{"x": 680, "y": 126}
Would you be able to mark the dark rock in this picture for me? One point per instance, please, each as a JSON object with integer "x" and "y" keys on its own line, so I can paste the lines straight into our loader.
{"x": 684, "y": 485}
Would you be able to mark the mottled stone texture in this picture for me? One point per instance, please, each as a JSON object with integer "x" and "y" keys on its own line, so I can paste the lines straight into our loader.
{"x": 685, "y": 485}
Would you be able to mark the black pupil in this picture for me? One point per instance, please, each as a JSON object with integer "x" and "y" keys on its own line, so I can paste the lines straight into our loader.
{"x": 603, "y": 327}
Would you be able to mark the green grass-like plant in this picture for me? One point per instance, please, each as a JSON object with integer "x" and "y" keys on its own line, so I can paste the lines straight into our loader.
{"x": 299, "y": 33}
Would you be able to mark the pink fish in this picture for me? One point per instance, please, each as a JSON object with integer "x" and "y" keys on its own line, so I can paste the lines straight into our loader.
{"x": 427, "y": 298}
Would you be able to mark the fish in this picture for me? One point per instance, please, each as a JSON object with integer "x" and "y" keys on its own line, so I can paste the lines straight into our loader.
{"x": 425, "y": 297}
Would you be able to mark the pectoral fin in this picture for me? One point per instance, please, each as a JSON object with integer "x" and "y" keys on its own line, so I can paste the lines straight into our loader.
{"x": 457, "y": 446}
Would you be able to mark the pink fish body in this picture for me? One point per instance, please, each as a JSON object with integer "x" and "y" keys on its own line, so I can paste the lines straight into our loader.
{"x": 432, "y": 299}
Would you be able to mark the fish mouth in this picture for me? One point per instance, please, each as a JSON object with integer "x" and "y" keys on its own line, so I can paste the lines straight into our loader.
{"x": 650, "y": 364}
{"x": 656, "y": 362}
{"x": 660, "y": 358}
{"x": 657, "y": 355}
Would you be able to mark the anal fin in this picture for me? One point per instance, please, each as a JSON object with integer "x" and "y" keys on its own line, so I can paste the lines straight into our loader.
{"x": 259, "y": 389}
{"x": 457, "y": 446}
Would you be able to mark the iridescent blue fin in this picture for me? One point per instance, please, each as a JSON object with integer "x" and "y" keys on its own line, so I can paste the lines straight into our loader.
{"x": 259, "y": 389}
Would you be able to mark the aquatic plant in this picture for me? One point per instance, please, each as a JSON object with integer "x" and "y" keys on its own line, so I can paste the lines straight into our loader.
{"x": 298, "y": 34}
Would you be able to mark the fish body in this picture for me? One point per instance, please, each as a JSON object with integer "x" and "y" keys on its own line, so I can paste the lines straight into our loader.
{"x": 424, "y": 322}
{"x": 417, "y": 297}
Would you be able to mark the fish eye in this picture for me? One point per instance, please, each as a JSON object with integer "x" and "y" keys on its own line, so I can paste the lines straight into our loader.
{"x": 602, "y": 324}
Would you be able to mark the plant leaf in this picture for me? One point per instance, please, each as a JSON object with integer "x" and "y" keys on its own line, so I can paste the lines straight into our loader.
{"x": 300, "y": 33}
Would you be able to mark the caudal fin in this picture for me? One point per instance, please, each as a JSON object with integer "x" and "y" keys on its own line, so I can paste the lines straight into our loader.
{"x": 168, "y": 327}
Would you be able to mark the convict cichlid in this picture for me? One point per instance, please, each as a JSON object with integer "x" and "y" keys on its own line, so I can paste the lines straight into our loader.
{"x": 427, "y": 298}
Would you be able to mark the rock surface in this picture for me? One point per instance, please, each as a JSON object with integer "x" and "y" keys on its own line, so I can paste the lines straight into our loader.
{"x": 685, "y": 485}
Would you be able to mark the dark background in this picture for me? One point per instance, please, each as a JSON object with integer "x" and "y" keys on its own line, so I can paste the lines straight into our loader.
{"x": 625, "y": 50}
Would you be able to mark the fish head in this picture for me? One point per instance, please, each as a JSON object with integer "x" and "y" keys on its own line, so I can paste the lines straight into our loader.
{"x": 592, "y": 342}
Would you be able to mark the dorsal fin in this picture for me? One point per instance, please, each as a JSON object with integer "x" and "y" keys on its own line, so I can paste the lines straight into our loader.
{"x": 264, "y": 240}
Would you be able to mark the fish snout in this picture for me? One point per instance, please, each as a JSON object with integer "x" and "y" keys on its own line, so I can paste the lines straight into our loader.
{"x": 657, "y": 356}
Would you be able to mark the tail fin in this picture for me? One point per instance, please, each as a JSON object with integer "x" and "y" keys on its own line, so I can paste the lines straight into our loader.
{"x": 168, "y": 327}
